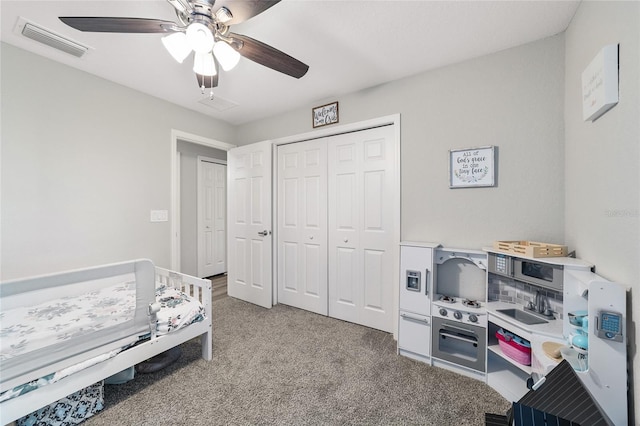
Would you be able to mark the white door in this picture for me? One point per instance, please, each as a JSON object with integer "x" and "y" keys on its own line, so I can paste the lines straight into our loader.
{"x": 249, "y": 223}
{"x": 212, "y": 208}
{"x": 362, "y": 221}
{"x": 302, "y": 225}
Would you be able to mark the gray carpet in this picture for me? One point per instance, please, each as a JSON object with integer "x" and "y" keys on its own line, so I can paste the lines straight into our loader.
{"x": 286, "y": 366}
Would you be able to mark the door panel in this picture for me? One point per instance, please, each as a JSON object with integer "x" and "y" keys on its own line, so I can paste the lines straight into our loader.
{"x": 241, "y": 256}
{"x": 315, "y": 261}
{"x": 345, "y": 190}
{"x": 212, "y": 207}
{"x": 249, "y": 223}
{"x": 373, "y": 282}
{"x": 205, "y": 218}
{"x": 289, "y": 258}
{"x": 361, "y": 222}
{"x": 220, "y": 219}
{"x": 373, "y": 201}
{"x": 258, "y": 279}
{"x": 302, "y": 229}
{"x": 344, "y": 279}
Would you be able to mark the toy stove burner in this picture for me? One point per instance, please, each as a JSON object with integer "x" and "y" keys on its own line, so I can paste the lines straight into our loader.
{"x": 447, "y": 299}
{"x": 471, "y": 303}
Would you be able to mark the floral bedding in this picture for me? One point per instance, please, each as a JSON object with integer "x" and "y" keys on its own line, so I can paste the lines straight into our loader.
{"x": 30, "y": 328}
{"x": 178, "y": 310}
{"x": 26, "y": 329}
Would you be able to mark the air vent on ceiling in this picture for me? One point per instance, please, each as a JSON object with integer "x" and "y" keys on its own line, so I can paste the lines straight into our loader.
{"x": 218, "y": 103}
{"x": 44, "y": 36}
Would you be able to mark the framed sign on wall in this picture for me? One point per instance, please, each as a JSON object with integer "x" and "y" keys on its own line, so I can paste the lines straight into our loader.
{"x": 600, "y": 83}
{"x": 472, "y": 167}
{"x": 325, "y": 114}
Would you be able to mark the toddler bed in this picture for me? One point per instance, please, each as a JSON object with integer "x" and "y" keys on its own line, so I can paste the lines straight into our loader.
{"x": 70, "y": 330}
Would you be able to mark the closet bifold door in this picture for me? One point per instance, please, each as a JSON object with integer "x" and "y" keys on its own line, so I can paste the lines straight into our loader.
{"x": 302, "y": 225}
{"x": 361, "y": 167}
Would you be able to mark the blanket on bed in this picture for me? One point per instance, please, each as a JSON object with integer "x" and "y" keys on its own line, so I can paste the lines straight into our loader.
{"x": 53, "y": 320}
{"x": 29, "y": 328}
{"x": 177, "y": 310}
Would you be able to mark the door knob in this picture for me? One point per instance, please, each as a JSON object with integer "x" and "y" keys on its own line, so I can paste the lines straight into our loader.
{"x": 264, "y": 233}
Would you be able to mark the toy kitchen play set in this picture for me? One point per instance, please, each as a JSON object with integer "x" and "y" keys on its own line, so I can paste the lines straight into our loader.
{"x": 507, "y": 315}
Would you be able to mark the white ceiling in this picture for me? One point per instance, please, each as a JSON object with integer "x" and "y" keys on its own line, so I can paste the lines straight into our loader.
{"x": 348, "y": 45}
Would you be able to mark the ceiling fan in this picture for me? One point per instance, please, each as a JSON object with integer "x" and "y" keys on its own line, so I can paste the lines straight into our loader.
{"x": 203, "y": 27}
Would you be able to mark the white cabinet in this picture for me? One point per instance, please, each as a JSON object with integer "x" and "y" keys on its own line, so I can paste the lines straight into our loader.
{"x": 414, "y": 336}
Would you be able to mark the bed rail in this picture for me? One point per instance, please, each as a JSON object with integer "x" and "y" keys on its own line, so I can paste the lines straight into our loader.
{"x": 19, "y": 406}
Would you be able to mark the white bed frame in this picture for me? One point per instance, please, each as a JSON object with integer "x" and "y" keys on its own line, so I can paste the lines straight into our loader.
{"x": 20, "y": 406}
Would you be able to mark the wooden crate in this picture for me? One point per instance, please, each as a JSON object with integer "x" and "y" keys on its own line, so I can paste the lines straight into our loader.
{"x": 531, "y": 248}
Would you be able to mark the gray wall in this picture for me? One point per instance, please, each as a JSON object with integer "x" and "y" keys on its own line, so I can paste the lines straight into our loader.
{"x": 602, "y": 207}
{"x": 189, "y": 201}
{"x": 513, "y": 100}
{"x": 560, "y": 179}
{"x": 84, "y": 161}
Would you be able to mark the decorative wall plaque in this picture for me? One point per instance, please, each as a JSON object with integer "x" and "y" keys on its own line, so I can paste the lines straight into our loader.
{"x": 325, "y": 114}
{"x": 600, "y": 83}
{"x": 471, "y": 167}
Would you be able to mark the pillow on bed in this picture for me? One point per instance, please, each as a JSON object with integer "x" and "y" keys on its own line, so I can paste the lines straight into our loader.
{"x": 177, "y": 310}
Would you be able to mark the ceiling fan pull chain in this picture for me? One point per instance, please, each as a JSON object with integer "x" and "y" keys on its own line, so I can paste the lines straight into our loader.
{"x": 211, "y": 92}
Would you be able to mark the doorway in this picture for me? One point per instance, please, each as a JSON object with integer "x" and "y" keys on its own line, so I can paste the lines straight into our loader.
{"x": 185, "y": 148}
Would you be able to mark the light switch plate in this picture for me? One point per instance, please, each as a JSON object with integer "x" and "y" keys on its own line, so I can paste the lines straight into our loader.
{"x": 159, "y": 215}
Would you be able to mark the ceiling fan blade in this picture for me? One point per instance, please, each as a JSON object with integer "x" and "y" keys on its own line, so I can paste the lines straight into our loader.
{"x": 118, "y": 25}
{"x": 207, "y": 81}
{"x": 270, "y": 57}
{"x": 244, "y": 9}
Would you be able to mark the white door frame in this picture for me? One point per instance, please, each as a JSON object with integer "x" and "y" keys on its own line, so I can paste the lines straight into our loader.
{"x": 394, "y": 120}
{"x": 177, "y": 135}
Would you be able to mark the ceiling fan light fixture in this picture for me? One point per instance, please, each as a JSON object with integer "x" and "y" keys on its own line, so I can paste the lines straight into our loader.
{"x": 177, "y": 45}
{"x": 200, "y": 37}
{"x": 204, "y": 64}
{"x": 226, "y": 55}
